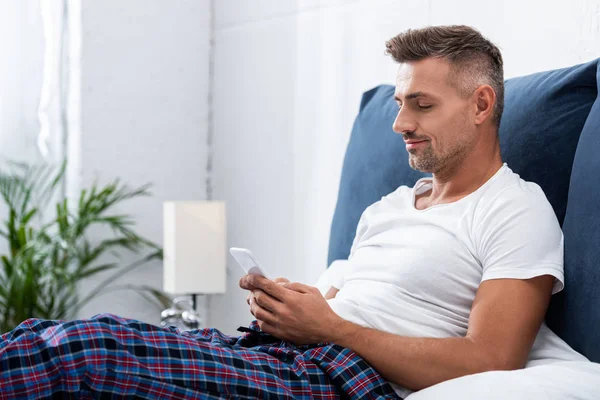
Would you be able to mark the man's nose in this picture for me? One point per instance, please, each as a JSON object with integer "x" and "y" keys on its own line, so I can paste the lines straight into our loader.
{"x": 403, "y": 123}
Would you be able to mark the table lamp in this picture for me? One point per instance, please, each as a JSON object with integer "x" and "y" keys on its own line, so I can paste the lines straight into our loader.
{"x": 194, "y": 242}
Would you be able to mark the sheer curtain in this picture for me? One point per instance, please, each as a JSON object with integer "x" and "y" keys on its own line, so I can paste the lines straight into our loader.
{"x": 32, "y": 84}
{"x": 32, "y": 80}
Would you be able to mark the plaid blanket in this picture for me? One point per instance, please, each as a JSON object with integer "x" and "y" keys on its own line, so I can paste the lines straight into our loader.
{"x": 112, "y": 357}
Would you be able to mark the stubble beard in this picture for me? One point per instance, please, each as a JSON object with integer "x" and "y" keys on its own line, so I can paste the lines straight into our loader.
{"x": 425, "y": 160}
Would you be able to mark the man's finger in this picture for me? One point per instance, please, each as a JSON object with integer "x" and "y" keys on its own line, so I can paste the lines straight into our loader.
{"x": 267, "y": 327}
{"x": 266, "y": 301}
{"x": 262, "y": 313}
{"x": 245, "y": 283}
{"x": 298, "y": 287}
{"x": 270, "y": 287}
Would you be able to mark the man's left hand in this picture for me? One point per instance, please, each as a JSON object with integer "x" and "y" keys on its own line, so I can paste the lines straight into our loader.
{"x": 294, "y": 312}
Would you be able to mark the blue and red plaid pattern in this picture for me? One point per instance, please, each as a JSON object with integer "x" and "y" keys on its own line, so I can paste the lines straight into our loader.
{"x": 113, "y": 357}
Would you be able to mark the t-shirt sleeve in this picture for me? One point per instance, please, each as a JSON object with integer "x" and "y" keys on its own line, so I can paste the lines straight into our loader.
{"x": 360, "y": 230}
{"x": 519, "y": 237}
{"x": 362, "y": 226}
{"x": 334, "y": 276}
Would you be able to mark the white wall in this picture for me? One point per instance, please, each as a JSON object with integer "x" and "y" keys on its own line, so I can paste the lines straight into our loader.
{"x": 253, "y": 145}
{"x": 288, "y": 80}
{"x": 142, "y": 79}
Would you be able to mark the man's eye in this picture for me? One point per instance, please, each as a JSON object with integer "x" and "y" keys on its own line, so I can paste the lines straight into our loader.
{"x": 424, "y": 107}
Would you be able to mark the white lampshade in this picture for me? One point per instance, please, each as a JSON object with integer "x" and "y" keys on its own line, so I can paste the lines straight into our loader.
{"x": 194, "y": 247}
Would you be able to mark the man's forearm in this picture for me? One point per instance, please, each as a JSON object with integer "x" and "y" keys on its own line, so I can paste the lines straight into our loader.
{"x": 415, "y": 363}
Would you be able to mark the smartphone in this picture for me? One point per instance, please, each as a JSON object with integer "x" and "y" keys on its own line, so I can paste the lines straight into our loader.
{"x": 248, "y": 262}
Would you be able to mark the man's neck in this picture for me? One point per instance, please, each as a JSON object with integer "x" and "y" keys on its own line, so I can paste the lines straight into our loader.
{"x": 460, "y": 180}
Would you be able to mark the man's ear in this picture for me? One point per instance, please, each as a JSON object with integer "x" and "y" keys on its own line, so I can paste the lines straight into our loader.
{"x": 485, "y": 99}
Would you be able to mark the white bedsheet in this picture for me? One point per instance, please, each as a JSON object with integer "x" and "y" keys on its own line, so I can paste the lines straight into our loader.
{"x": 563, "y": 380}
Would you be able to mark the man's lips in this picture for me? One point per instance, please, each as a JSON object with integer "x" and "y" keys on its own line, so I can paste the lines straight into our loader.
{"x": 413, "y": 144}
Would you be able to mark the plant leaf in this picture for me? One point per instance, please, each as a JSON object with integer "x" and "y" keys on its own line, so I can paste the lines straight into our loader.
{"x": 115, "y": 276}
{"x": 47, "y": 258}
{"x": 95, "y": 270}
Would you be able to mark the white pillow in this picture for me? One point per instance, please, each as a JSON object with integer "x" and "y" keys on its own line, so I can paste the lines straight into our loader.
{"x": 556, "y": 381}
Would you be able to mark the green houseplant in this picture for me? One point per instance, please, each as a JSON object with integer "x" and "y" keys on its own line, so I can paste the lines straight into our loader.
{"x": 48, "y": 256}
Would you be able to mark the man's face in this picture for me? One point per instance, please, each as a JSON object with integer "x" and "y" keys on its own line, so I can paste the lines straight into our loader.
{"x": 434, "y": 120}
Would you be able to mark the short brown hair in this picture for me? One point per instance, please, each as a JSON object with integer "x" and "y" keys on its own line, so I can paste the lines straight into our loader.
{"x": 474, "y": 59}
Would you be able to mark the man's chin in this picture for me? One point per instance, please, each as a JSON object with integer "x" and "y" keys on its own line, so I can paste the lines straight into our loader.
{"x": 419, "y": 166}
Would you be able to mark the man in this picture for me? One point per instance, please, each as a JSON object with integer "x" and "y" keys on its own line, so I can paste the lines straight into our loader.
{"x": 449, "y": 278}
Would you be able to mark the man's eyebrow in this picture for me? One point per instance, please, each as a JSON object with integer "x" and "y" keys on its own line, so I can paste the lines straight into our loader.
{"x": 411, "y": 96}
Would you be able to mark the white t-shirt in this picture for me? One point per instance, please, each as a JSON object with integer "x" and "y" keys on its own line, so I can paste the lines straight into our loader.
{"x": 415, "y": 272}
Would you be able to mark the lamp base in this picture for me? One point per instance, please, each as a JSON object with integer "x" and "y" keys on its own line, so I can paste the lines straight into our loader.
{"x": 194, "y": 302}
{"x": 182, "y": 314}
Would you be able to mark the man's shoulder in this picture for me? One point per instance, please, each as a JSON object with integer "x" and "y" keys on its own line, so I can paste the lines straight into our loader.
{"x": 393, "y": 200}
{"x": 511, "y": 188}
{"x": 512, "y": 195}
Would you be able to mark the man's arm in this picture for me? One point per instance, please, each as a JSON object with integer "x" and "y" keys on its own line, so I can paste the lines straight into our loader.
{"x": 505, "y": 318}
{"x": 331, "y": 293}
